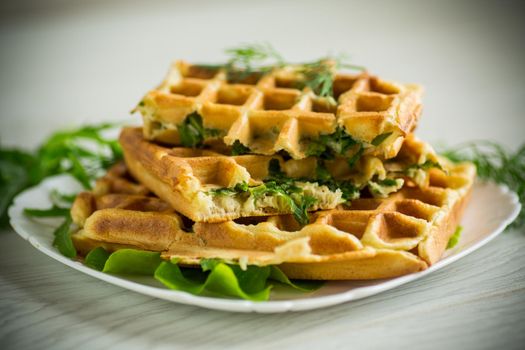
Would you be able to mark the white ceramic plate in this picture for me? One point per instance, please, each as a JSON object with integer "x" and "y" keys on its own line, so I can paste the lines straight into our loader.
{"x": 490, "y": 210}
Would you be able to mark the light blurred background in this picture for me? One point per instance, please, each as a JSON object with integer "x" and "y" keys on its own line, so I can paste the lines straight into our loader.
{"x": 63, "y": 63}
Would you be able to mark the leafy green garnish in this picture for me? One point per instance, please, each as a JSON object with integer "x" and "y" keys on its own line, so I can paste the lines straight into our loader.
{"x": 329, "y": 146}
{"x": 497, "y": 163}
{"x": 276, "y": 274}
{"x": 215, "y": 276}
{"x": 347, "y": 188}
{"x": 230, "y": 191}
{"x": 300, "y": 208}
{"x": 339, "y": 143}
{"x": 336, "y": 144}
{"x": 349, "y": 191}
{"x": 278, "y": 184}
{"x": 57, "y": 197}
{"x": 51, "y": 212}
{"x": 383, "y": 188}
{"x": 353, "y": 159}
{"x": 222, "y": 280}
{"x": 428, "y": 164}
{"x": 63, "y": 241}
{"x": 380, "y": 138}
{"x": 15, "y": 176}
{"x": 319, "y": 75}
{"x": 249, "y": 59}
{"x": 192, "y": 132}
{"x": 82, "y": 153}
{"x": 96, "y": 259}
{"x": 454, "y": 240}
{"x": 387, "y": 182}
{"x": 238, "y": 148}
{"x": 289, "y": 195}
{"x": 252, "y": 283}
{"x": 297, "y": 204}
{"x": 321, "y": 173}
{"x": 64, "y": 152}
{"x": 133, "y": 262}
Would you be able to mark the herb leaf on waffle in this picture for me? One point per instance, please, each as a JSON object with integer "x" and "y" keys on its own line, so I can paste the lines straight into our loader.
{"x": 273, "y": 106}
{"x": 406, "y": 232}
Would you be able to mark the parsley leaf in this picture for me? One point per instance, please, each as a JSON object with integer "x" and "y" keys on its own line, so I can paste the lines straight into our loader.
{"x": 379, "y": 139}
{"x": 348, "y": 190}
{"x": 353, "y": 159}
{"x": 329, "y": 146}
{"x": 429, "y": 164}
{"x": 300, "y": 208}
{"x": 238, "y": 148}
{"x": 278, "y": 185}
{"x": 192, "y": 132}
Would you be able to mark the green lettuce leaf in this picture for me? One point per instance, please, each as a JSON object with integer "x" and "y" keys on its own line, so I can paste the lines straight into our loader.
{"x": 63, "y": 241}
{"x": 215, "y": 276}
{"x": 303, "y": 285}
{"x": 132, "y": 262}
{"x": 454, "y": 240}
{"x": 97, "y": 258}
{"x": 222, "y": 279}
{"x": 253, "y": 279}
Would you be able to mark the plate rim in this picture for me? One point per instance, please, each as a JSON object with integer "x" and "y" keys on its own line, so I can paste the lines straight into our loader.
{"x": 234, "y": 305}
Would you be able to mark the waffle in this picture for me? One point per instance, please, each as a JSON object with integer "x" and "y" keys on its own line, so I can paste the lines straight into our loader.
{"x": 268, "y": 113}
{"x": 376, "y": 238}
{"x": 186, "y": 177}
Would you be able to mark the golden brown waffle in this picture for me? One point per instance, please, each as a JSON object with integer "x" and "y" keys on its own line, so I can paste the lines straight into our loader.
{"x": 185, "y": 177}
{"x": 375, "y": 238}
{"x": 268, "y": 113}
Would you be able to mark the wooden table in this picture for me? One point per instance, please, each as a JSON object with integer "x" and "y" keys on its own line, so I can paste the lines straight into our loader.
{"x": 477, "y": 302}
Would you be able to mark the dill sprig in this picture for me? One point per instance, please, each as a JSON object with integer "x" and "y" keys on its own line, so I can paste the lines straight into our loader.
{"x": 251, "y": 57}
{"x": 497, "y": 163}
{"x": 317, "y": 75}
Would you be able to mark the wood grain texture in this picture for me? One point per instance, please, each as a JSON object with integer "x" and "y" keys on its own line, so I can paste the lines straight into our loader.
{"x": 475, "y": 303}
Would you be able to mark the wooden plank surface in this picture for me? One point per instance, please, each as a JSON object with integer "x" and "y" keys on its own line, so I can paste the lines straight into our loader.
{"x": 476, "y": 303}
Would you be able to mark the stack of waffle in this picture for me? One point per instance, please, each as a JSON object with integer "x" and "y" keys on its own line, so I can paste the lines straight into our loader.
{"x": 258, "y": 169}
